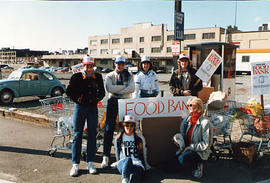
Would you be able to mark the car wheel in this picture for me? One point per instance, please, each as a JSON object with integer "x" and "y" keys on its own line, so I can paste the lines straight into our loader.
{"x": 6, "y": 97}
{"x": 57, "y": 91}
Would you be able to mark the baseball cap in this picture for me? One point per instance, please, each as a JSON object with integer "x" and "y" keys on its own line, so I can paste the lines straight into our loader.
{"x": 145, "y": 59}
{"x": 183, "y": 56}
{"x": 88, "y": 60}
{"x": 120, "y": 59}
{"x": 129, "y": 119}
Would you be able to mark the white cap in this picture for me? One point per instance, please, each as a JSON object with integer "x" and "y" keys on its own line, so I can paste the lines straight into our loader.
{"x": 183, "y": 56}
{"x": 129, "y": 119}
{"x": 120, "y": 59}
{"x": 88, "y": 60}
{"x": 145, "y": 59}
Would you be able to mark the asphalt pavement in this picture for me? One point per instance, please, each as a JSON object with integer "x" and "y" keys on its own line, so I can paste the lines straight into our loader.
{"x": 24, "y": 158}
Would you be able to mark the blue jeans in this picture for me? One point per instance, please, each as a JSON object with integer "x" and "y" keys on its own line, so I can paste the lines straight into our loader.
{"x": 189, "y": 160}
{"x": 112, "y": 111}
{"x": 128, "y": 170}
{"x": 82, "y": 113}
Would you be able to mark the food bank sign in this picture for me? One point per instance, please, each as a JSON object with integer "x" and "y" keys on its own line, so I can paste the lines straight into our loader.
{"x": 260, "y": 78}
{"x": 153, "y": 107}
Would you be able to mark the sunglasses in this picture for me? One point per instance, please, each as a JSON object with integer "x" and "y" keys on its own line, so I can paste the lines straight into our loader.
{"x": 129, "y": 125}
{"x": 182, "y": 61}
{"x": 190, "y": 105}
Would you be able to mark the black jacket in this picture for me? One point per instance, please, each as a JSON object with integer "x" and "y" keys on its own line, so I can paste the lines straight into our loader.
{"x": 176, "y": 86}
{"x": 86, "y": 91}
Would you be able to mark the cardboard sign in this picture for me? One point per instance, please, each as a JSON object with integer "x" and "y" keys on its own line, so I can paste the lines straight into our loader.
{"x": 76, "y": 68}
{"x": 209, "y": 66}
{"x": 260, "y": 78}
{"x": 153, "y": 107}
{"x": 175, "y": 48}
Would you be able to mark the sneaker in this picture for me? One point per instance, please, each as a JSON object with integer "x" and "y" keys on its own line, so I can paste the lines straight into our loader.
{"x": 198, "y": 173}
{"x": 125, "y": 180}
{"x": 105, "y": 162}
{"x": 92, "y": 168}
{"x": 74, "y": 170}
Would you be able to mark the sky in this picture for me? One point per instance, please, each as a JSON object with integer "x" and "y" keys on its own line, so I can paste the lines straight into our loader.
{"x": 66, "y": 25}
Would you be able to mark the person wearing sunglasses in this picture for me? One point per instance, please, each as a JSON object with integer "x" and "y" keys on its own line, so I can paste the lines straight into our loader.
{"x": 130, "y": 152}
{"x": 120, "y": 85}
{"x": 194, "y": 139}
{"x": 86, "y": 89}
{"x": 146, "y": 82}
{"x": 183, "y": 81}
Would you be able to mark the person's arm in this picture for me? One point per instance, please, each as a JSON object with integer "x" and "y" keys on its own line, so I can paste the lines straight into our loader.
{"x": 147, "y": 166}
{"x": 156, "y": 85}
{"x": 172, "y": 85}
{"x": 129, "y": 88}
{"x": 136, "y": 94}
{"x": 73, "y": 89}
{"x": 101, "y": 90}
{"x": 204, "y": 144}
{"x": 110, "y": 87}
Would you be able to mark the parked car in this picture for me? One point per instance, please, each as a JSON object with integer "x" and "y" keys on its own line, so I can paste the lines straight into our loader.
{"x": 106, "y": 70}
{"x": 29, "y": 82}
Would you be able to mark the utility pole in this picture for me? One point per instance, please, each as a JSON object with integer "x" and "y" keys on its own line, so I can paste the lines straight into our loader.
{"x": 177, "y": 9}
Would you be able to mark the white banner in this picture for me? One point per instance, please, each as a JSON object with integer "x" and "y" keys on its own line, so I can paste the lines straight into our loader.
{"x": 209, "y": 66}
{"x": 76, "y": 68}
{"x": 260, "y": 78}
{"x": 153, "y": 107}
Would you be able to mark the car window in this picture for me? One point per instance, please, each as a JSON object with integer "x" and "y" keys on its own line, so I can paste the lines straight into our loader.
{"x": 46, "y": 76}
{"x": 29, "y": 76}
{"x": 15, "y": 75}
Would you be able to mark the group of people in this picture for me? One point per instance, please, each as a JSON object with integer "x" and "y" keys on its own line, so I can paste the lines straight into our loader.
{"x": 86, "y": 89}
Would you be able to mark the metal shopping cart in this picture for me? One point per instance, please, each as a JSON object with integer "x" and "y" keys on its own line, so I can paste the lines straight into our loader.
{"x": 222, "y": 122}
{"x": 255, "y": 126}
{"x": 60, "y": 114}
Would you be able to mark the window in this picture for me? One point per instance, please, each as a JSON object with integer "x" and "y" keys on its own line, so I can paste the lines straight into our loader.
{"x": 169, "y": 49}
{"x": 141, "y": 39}
{"x": 93, "y": 42}
{"x": 245, "y": 58}
{"x": 128, "y": 40}
{"x": 93, "y": 52}
{"x": 104, "y": 62}
{"x": 104, "y": 41}
{"x": 170, "y": 37}
{"x": 116, "y": 51}
{"x": 156, "y": 38}
{"x": 30, "y": 76}
{"x": 115, "y": 41}
{"x": 190, "y": 36}
{"x": 103, "y": 51}
{"x": 210, "y": 35}
{"x": 141, "y": 50}
{"x": 156, "y": 50}
{"x": 46, "y": 76}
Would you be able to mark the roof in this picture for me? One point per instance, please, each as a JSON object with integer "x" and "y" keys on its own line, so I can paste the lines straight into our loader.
{"x": 212, "y": 44}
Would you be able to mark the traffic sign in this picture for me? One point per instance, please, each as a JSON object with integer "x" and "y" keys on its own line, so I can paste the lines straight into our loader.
{"x": 175, "y": 48}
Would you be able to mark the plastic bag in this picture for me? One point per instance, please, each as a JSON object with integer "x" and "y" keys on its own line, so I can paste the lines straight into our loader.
{"x": 254, "y": 108}
{"x": 217, "y": 100}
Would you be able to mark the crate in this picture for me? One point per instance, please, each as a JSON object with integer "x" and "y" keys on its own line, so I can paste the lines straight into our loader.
{"x": 244, "y": 152}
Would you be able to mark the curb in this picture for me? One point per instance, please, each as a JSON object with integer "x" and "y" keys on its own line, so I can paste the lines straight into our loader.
{"x": 37, "y": 119}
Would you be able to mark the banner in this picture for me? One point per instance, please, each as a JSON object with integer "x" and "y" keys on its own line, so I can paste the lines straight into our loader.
{"x": 153, "y": 107}
{"x": 76, "y": 68}
{"x": 260, "y": 78}
{"x": 209, "y": 66}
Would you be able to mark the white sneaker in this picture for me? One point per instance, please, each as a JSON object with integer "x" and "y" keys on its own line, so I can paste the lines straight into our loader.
{"x": 105, "y": 162}
{"x": 198, "y": 173}
{"x": 125, "y": 180}
{"x": 74, "y": 170}
{"x": 91, "y": 168}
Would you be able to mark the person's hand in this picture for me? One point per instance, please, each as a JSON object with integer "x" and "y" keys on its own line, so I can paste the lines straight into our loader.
{"x": 186, "y": 149}
{"x": 114, "y": 165}
{"x": 187, "y": 93}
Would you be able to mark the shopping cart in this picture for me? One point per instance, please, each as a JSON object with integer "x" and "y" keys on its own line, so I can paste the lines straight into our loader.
{"x": 255, "y": 127}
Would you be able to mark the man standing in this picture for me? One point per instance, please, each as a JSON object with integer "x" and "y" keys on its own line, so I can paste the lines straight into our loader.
{"x": 86, "y": 89}
{"x": 120, "y": 84}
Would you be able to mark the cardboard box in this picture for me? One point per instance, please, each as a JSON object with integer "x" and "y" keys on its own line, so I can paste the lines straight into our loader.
{"x": 204, "y": 94}
{"x": 158, "y": 133}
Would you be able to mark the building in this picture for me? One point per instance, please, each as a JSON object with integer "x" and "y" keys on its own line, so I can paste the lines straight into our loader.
{"x": 146, "y": 39}
{"x": 13, "y": 56}
{"x": 62, "y": 60}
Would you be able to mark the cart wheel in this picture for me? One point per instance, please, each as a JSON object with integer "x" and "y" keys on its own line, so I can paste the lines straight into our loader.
{"x": 83, "y": 156}
{"x": 51, "y": 152}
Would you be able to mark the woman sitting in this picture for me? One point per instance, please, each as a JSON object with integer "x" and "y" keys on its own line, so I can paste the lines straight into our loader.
{"x": 194, "y": 139}
{"x": 130, "y": 152}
